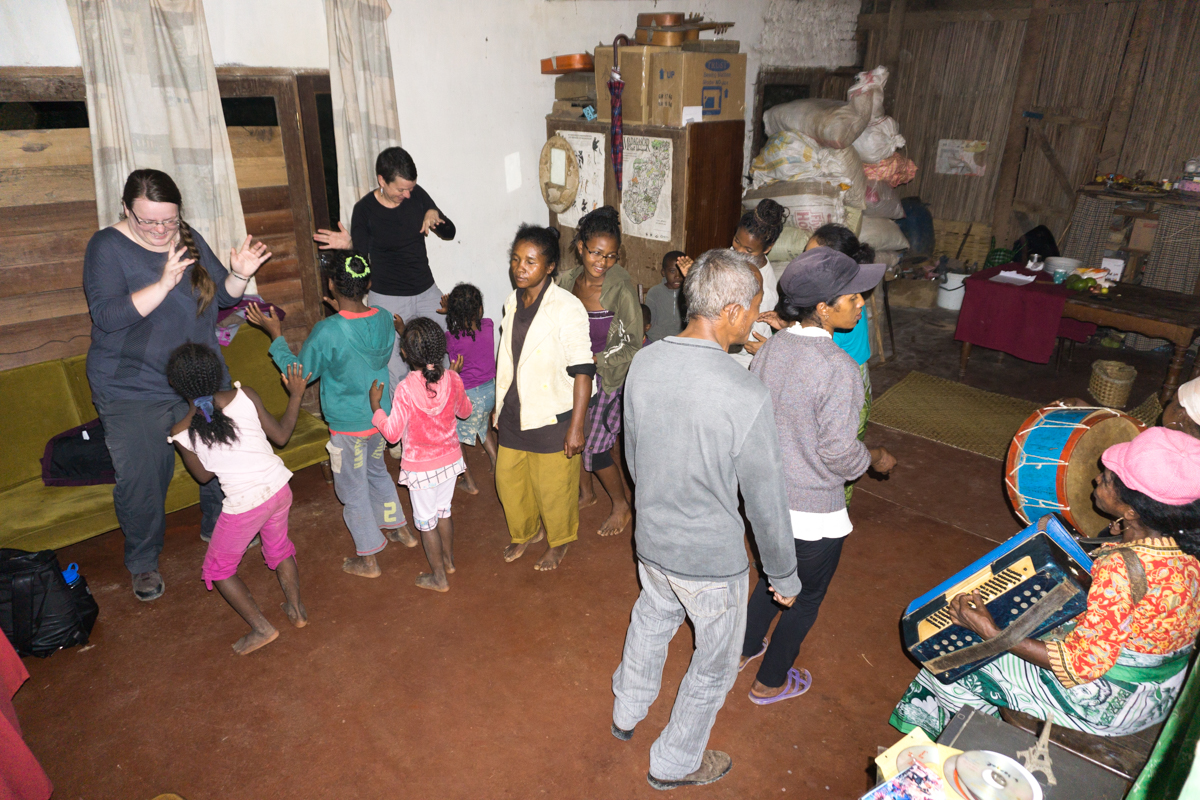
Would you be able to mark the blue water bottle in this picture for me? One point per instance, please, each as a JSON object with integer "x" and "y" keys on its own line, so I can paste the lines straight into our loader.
{"x": 71, "y": 574}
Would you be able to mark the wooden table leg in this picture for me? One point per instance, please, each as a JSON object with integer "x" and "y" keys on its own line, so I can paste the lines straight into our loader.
{"x": 963, "y": 359}
{"x": 1173, "y": 373}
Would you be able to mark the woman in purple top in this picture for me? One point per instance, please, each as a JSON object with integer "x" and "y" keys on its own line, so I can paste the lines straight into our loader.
{"x": 471, "y": 348}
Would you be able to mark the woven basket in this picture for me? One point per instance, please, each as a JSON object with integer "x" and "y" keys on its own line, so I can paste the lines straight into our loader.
{"x": 1111, "y": 382}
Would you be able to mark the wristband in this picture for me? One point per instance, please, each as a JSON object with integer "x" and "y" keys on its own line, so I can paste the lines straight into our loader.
{"x": 239, "y": 277}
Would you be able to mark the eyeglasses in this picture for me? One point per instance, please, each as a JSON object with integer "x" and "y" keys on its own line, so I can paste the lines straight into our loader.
{"x": 168, "y": 224}
{"x": 610, "y": 257}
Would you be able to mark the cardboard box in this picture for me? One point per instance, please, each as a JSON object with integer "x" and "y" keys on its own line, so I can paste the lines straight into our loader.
{"x": 575, "y": 85}
{"x": 689, "y": 87}
{"x": 635, "y": 71}
{"x": 1141, "y": 238}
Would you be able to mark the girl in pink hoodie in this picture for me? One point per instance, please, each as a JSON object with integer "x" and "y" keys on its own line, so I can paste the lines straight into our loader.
{"x": 425, "y": 413}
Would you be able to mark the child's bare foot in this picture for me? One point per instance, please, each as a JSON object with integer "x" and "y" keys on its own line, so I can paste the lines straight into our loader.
{"x": 467, "y": 484}
{"x": 298, "y": 616}
{"x": 620, "y": 517}
{"x": 362, "y": 566}
{"x": 254, "y": 640}
{"x": 402, "y": 535}
{"x": 427, "y": 581}
{"x": 516, "y": 550}
{"x": 448, "y": 563}
{"x": 551, "y": 558}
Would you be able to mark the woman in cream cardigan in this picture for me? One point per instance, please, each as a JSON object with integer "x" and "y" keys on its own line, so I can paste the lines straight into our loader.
{"x": 544, "y": 372}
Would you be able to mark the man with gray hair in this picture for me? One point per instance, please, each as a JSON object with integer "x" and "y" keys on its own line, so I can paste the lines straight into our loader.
{"x": 698, "y": 426}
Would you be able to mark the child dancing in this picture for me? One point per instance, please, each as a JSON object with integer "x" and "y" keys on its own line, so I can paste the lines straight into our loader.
{"x": 471, "y": 346}
{"x": 424, "y": 411}
{"x": 224, "y": 435}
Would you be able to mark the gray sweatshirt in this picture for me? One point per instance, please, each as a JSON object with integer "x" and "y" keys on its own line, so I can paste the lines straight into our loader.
{"x": 817, "y": 393}
{"x": 698, "y": 426}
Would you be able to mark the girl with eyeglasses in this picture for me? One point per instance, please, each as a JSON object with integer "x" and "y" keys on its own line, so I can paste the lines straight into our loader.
{"x": 152, "y": 284}
{"x": 616, "y": 327}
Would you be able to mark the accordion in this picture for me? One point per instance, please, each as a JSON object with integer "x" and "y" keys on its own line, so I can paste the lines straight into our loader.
{"x": 1031, "y": 584}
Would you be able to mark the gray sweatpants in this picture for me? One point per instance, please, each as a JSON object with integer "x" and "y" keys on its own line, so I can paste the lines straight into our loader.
{"x": 362, "y": 483}
{"x": 718, "y": 612}
{"x": 425, "y": 304}
{"x": 135, "y": 432}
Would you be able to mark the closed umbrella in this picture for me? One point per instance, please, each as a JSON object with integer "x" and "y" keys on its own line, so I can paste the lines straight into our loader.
{"x": 616, "y": 87}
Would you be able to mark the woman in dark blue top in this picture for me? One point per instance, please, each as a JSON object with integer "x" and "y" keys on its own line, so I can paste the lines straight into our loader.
{"x": 152, "y": 284}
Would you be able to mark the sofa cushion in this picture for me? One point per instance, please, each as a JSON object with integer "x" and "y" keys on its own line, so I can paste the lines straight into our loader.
{"x": 36, "y": 403}
{"x": 248, "y": 362}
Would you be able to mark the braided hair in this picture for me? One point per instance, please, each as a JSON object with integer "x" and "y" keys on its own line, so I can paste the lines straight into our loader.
{"x": 349, "y": 270}
{"x": 544, "y": 239}
{"x": 764, "y": 222}
{"x": 423, "y": 346}
{"x": 1180, "y": 522}
{"x": 157, "y": 187}
{"x": 600, "y": 222}
{"x": 464, "y": 310}
{"x": 194, "y": 371}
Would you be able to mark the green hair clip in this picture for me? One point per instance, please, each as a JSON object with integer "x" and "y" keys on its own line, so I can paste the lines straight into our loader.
{"x": 366, "y": 268}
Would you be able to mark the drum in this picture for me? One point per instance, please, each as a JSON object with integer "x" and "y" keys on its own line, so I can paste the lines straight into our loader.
{"x": 1054, "y": 458}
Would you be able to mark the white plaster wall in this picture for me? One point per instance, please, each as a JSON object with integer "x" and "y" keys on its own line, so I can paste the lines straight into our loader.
{"x": 468, "y": 85}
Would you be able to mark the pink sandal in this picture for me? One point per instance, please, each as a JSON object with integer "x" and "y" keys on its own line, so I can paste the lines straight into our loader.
{"x": 798, "y": 682}
{"x": 756, "y": 655}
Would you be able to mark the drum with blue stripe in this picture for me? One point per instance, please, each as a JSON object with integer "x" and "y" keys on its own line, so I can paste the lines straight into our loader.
{"x": 1055, "y": 457}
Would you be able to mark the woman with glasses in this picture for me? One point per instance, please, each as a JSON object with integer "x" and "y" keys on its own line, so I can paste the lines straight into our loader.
{"x": 152, "y": 284}
{"x": 616, "y": 327}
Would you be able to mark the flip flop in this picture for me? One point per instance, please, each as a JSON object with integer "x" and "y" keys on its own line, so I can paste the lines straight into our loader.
{"x": 799, "y": 680}
{"x": 756, "y": 655}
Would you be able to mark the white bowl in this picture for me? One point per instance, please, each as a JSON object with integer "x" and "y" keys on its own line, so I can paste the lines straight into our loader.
{"x": 1056, "y": 263}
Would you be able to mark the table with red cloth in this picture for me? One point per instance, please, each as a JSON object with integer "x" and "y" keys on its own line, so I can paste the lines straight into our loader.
{"x": 21, "y": 777}
{"x": 1024, "y": 321}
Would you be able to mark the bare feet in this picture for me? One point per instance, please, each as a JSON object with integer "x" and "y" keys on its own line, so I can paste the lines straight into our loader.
{"x": 362, "y": 566}
{"x": 758, "y": 690}
{"x": 297, "y": 616}
{"x": 402, "y": 535}
{"x": 587, "y": 492}
{"x": 254, "y": 640}
{"x": 516, "y": 550}
{"x": 448, "y": 563}
{"x": 616, "y": 522}
{"x": 467, "y": 483}
{"x": 551, "y": 558}
{"x": 427, "y": 581}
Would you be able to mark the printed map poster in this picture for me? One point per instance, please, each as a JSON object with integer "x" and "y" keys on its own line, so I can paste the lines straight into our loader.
{"x": 961, "y": 157}
{"x": 591, "y": 155}
{"x": 646, "y": 195}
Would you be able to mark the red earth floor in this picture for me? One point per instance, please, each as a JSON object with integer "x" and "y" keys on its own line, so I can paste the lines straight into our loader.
{"x": 498, "y": 689}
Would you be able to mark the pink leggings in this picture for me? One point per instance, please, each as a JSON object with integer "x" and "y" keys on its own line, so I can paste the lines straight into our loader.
{"x": 234, "y": 533}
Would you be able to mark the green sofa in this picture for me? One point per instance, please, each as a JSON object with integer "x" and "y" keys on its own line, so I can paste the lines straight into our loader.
{"x": 39, "y": 401}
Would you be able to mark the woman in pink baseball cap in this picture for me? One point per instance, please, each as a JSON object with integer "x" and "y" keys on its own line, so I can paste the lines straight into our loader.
{"x": 1121, "y": 667}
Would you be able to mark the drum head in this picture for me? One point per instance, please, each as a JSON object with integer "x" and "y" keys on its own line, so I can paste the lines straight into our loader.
{"x": 1084, "y": 466}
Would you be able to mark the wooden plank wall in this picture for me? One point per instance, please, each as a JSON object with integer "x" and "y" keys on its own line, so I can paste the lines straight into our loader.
{"x": 956, "y": 81}
{"x": 48, "y": 214}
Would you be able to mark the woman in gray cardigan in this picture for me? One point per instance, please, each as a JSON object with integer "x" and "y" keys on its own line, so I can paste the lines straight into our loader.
{"x": 817, "y": 394}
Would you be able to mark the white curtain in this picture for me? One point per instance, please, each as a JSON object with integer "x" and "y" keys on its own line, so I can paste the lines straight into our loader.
{"x": 153, "y": 102}
{"x": 364, "y": 93}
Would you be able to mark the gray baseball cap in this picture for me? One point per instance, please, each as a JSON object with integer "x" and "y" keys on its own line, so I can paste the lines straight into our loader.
{"x": 821, "y": 274}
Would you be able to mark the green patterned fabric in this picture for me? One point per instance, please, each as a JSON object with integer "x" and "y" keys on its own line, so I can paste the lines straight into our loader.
{"x": 1172, "y": 759}
{"x": 863, "y": 416}
{"x": 1137, "y": 696}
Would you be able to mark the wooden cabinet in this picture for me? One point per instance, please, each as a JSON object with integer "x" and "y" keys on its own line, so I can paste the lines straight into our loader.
{"x": 706, "y": 191}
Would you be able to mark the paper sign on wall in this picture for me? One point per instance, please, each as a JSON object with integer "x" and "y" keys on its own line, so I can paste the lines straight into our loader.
{"x": 646, "y": 195}
{"x": 961, "y": 157}
{"x": 591, "y": 155}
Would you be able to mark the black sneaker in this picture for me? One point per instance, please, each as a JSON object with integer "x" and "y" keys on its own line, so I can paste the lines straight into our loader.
{"x": 713, "y": 766}
{"x": 621, "y": 733}
{"x": 148, "y": 586}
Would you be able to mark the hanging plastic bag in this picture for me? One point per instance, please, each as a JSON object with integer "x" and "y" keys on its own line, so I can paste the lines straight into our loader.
{"x": 879, "y": 140}
{"x": 882, "y": 201}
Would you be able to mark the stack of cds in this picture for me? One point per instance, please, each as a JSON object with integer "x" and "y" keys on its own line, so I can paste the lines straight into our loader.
{"x": 984, "y": 775}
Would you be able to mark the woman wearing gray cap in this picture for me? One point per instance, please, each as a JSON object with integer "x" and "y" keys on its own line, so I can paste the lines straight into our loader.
{"x": 817, "y": 393}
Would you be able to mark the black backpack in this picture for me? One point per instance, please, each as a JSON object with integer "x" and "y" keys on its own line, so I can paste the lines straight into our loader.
{"x": 39, "y": 612}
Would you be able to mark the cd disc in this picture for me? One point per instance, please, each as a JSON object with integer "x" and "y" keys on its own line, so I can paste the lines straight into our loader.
{"x": 926, "y": 755}
{"x": 992, "y": 776}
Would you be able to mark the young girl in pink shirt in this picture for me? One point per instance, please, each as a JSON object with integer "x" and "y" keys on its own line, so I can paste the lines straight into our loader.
{"x": 425, "y": 413}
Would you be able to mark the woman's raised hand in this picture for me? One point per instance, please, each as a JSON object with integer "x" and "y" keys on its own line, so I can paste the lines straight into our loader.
{"x": 245, "y": 260}
{"x": 267, "y": 321}
{"x": 294, "y": 380}
{"x": 683, "y": 264}
{"x": 175, "y": 267}
{"x": 333, "y": 240}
